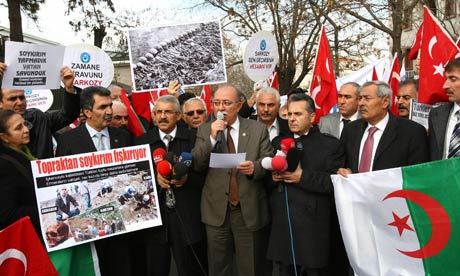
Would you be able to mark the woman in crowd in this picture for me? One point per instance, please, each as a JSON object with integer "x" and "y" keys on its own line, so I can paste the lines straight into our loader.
{"x": 17, "y": 194}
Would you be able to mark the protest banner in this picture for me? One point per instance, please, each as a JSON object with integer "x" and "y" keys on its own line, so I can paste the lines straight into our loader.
{"x": 260, "y": 56}
{"x": 91, "y": 65}
{"x": 32, "y": 66}
{"x": 190, "y": 53}
{"x": 39, "y": 99}
{"x": 401, "y": 221}
{"x": 86, "y": 197}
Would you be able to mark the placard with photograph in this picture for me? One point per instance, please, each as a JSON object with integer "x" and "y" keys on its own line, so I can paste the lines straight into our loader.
{"x": 190, "y": 53}
{"x": 97, "y": 195}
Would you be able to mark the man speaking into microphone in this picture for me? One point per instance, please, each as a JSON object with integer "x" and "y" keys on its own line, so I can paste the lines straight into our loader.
{"x": 234, "y": 204}
{"x": 301, "y": 196}
{"x": 179, "y": 192}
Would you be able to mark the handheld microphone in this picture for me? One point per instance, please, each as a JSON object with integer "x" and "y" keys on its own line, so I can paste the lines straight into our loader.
{"x": 220, "y": 133}
{"x": 158, "y": 155}
{"x": 293, "y": 157}
{"x": 186, "y": 158}
{"x": 279, "y": 164}
{"x": 182, "y": 166}
{"x": 170, "y": 157}
{"x": 164, "y": 168}
{"x": 267, "y": 163}
{"x": 286, "y": 144}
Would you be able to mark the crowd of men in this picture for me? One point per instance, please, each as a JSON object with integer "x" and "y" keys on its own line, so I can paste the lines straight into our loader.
{"x": 247, "y": 220}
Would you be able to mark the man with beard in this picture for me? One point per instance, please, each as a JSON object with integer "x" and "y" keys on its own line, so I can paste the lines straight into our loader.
{"x": 96, "y": 135}
{"x": 443, "y": 121}
{"x": 333, "y": 124}
{"x": 119, "y": 115}
{"x": 407, "y": 90}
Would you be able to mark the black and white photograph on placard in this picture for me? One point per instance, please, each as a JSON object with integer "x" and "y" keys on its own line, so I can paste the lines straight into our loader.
{"x": 189, "y": 53}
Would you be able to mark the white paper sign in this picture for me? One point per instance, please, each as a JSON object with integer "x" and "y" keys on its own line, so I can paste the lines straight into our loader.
{"x": 260, "y": 56}
{"x": 32, "y": 66}
{"x": 91, "y": 65}
{"x": 226, "y": 160}
{"x": 40, "y": 99}
{"x": 108, "y": 193}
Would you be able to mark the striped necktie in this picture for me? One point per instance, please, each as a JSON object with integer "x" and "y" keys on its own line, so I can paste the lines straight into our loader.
{"x": 454, "y": 145}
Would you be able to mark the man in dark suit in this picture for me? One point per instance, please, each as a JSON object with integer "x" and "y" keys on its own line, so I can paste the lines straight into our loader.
{"x": 268, "y": 106}
{"x": 396, "y": 142}
{"x": 182, "y": 231}
{"x": 96, "y": 135}
{"x": 234, "y": 201}
{"x": 443, "y": 119}
{"x": 63, "y": 204}
{"x": 305, "y": 194}
{"x": 334, "y": 123}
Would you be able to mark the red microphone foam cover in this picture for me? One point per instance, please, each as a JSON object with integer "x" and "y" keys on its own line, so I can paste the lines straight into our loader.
{"x": 286, "y": 144}
{"x": 158, "y": 155}
{"x": 279, "y": 163}
{"x": 164, "y": 168}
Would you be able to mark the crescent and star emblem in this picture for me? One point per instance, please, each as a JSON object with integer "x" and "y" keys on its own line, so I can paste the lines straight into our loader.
{"x": 440, "y": 223}
{"x": 14, "y": 254}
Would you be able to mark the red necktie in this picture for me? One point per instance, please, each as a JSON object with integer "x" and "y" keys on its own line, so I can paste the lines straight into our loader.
{"x": 233, "y": 196}
{"x": 366, "y": 155}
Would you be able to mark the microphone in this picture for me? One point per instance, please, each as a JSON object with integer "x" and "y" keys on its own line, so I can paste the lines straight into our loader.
{"x": 286, "y": 144}
{"x": 220, "y": 133}
{"x": 158, "y": 155}
{"x": 170, "y": 157}
{"x": 164, "y": 168}
{"x": 279, "y": 164}
{"x": 186, "y": 158}
{"x": 293, "y": 157}
{"x": 182, "y": 166}
{"x": 267, "y": 163}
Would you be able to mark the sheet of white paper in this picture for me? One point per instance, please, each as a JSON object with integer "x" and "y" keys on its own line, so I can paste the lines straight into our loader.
{"x": 226, "y": 160}
{"x": 32, "y": 66}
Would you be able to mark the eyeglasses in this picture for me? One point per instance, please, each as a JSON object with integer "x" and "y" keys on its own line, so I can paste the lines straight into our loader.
{"x": 198, "y": 111}
{"x": 225, "y": 103}
{"x": 14, "y": 98}
{"x": 166, "y": 112}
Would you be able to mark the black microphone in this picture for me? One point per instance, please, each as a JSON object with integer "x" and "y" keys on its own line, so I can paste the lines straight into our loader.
{"x": 293, "y": 157}
{"x": 171, "y": 158}
{"x": 220, "y": 133}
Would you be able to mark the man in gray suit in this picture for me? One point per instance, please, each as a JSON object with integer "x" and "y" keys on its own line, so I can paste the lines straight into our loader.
{"x": 443, "y": 120}
{"x": 334, "y": 123}
{"x": 234, "y": 203}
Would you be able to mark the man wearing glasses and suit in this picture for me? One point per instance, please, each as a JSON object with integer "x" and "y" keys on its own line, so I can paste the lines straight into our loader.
{"x": 195, "y": 112}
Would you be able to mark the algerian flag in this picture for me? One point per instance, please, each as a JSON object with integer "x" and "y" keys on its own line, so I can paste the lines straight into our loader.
{"x": 402, "y": 221}
{"x": 76, "y": 261}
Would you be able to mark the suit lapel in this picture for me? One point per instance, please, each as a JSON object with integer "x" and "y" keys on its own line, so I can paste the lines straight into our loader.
{"x": 114, "y": 139}
{"x": 336, "y": 124}
{"x": 87, "y": 143}
{"x": 440, "y": 120}
{"x": 388, "y": 136}
{"x": 243, "y": 136}
{"x": 357, "y": 142}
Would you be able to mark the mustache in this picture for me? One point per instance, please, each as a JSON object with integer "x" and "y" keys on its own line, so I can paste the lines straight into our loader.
{"x": 363, "y": 109}
{"x": 402, "y": 107}
{"x": 108, "y": 117}
{"x": 164, "y": 120}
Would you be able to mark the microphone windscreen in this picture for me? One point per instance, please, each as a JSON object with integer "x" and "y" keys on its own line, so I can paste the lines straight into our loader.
{"x": 179, "y": 170}
{"x": 186, "y": 158}
{"x": 221, "y": 115}
{"x": 158, "y": 155}
{"x": 164, "y": 168}
{"x": 267, "y": 163}
{"x": 293, "y": 157}
{"x": 170, "y": 157}
{"x": 286, "y": 144}
{"x": 279, "y": 164}
{"x": 280, "y": 153}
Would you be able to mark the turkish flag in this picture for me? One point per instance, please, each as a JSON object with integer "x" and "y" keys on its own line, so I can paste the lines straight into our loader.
{"x": 393, "y": 80}
{"x": 206, "y": 95}
{"x": 374, "y": 75}
{"x": 436, "y": 49}
{"x": 323, "y": 88}
{"x": 21, "y": 252}
{"x": 273, "y": 80}
{"x": 134, "y": 124}
{"x": 141, "y": 102}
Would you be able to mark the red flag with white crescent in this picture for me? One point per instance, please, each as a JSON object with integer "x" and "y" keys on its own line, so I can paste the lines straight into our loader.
{"x": 206, "y": 95}
{"x": 436, "y": 49}
{"x": 134, "y": 124}
{"x": 22, "y": 253}
{"x": 393, "y": 81}
{"x": 273, "y": 80}
{"x": 323, "y": 88}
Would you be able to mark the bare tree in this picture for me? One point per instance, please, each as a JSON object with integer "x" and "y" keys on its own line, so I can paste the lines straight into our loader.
{"x": 15, "y": 7}
{"x": 94, "y": 17}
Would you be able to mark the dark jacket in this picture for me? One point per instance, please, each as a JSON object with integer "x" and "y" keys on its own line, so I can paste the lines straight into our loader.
{"x": 310, "y": 203}
{"x": 65, "y": 207}
{"x": 45, "y": 124}
{"x": 188, "y": 197}
{"x": 17, "y": 192}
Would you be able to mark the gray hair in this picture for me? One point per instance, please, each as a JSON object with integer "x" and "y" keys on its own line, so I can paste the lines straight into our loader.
{"x": 167, "y": 99}
{"x": 354, "y": 84}
{"x": 383, "y": 90}
{"x": 196, "y": 99}
{"x": 269, "y": 90}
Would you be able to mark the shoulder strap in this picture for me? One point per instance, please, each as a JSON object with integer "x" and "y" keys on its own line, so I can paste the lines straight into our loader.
{"x": 19, "y": 167}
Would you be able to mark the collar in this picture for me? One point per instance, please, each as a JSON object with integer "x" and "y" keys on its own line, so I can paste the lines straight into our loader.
{"x": 305, "y": 134}
{"x": 92, "y": 131}
{"x": 236, "y": 124}
{"x": 382, "y": 124}
{"x": 172, "y": 133}
{"x": 352, "y": 117}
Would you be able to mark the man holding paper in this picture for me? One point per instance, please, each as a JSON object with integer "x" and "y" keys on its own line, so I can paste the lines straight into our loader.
{"x": 234, "y": 202}
{"x": 43, "y": 124}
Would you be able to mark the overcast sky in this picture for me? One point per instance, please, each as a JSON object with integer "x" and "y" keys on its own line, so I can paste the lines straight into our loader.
{"x": 54, "y": 24}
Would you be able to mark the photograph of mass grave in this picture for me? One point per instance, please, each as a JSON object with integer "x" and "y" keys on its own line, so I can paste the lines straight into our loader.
{"x": 89, "y": 210}
{"x": 189, "y": 53}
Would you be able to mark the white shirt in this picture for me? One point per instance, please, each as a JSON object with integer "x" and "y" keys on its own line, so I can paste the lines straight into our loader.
{"x": 274, "y": 129}
{"x": 162, "y": 136}
{"x": 341, "y": 124}
{"x": 234, "y": 131}
{"x": 105, "y": 136}
{"x": 377, "y": 135}
{"x": 450, "y": 128}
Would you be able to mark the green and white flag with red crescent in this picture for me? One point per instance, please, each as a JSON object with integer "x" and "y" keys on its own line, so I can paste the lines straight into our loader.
{"x": 402, "y": 221}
